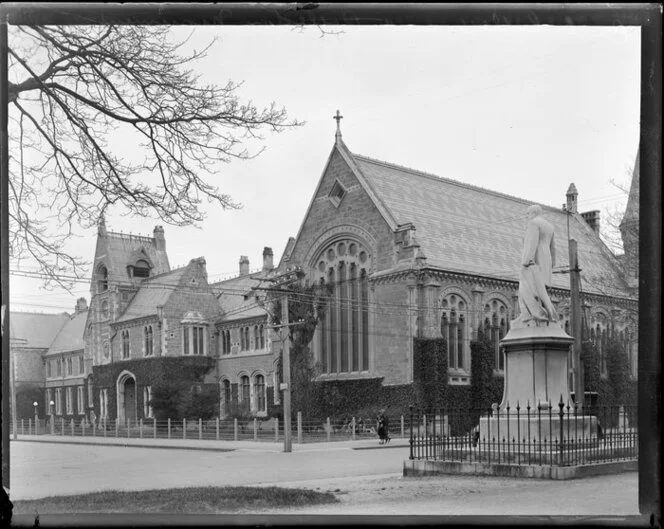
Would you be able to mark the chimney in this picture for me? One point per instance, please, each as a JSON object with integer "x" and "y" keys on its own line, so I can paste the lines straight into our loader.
{"x": 159, "y": 239}
{"x": 592, "y": 218}
{"x": 81, "y": 305}
{"x": 572, "y": 196}
{"x": 244, "y": 265}
{"x": 268, "y": 259}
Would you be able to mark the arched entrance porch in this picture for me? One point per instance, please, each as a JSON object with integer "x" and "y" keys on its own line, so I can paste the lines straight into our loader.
{"x": 127, "y": 402}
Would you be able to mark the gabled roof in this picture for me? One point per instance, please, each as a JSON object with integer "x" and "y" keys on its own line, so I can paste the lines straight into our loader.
{"x": 237, "y": 298}
{"x": 118, "y": 250}
{"x": 35, "y": 330}
{"x": 473, "y": 230}
{"x": 153, "y": 291}
{"x": 70, "y": 337}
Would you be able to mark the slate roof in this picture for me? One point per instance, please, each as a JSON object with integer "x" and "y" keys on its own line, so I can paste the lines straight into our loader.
{"x": 124, "y": 249}
{"x": 236, "y": 297}
{"x": 70, "y": 337}
{"x": 35, "y": 330}
{"x": 469, "y": 229}
{"x": 153, "y": 291}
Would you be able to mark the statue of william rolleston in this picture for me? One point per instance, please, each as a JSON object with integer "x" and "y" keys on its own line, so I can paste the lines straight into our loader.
{"x": 537, "y": 261}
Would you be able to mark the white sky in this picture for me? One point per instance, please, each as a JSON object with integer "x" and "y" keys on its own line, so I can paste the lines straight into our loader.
{"x": 519, "y": 110}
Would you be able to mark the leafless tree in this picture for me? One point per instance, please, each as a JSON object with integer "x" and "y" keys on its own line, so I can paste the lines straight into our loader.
{"x": 74, "y": 92}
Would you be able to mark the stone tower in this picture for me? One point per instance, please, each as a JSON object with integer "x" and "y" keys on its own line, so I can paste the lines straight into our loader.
{"x": 629, "y": 230}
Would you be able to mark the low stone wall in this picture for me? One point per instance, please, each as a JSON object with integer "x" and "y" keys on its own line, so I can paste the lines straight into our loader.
{"x": 415, "y": 468}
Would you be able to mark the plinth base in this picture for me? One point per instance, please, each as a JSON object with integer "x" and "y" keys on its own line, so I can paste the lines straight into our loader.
{"x": 538, "y": 428}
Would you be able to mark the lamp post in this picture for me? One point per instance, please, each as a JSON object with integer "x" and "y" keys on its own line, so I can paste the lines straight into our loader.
{"x": 35, "y": 404}
{"x": 50, "y": 412}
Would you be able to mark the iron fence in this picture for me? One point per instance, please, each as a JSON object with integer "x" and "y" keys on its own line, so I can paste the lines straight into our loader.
{"x": 560, "y": 435}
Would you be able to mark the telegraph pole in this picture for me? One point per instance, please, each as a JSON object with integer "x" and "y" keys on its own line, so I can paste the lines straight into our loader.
{"x": 285, "y": 385}
{"x": 574, "y": 276}
{"x": 284, "y": 279}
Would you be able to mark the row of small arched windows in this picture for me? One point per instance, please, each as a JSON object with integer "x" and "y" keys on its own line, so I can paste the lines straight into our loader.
{"x": 257, "y": 332}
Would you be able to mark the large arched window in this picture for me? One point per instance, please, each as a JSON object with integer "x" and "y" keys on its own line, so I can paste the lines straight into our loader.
{"x": 495, "y": 327}
{"x": 259, "y": 390}
{"x": 342, "y": 345}
{"x": 125, "y": 344}
{"x": 245, "y": 393}
{"x": 599, "y": 335}
{"x": 148, "y": 340}
{"x": 453, "y": 329}
{"x": 261, "y": 335}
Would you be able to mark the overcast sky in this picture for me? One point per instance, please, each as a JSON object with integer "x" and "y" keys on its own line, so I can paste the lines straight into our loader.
{"x": 519, "y": 110}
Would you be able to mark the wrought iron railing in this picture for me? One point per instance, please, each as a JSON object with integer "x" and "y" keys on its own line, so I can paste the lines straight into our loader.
{"x": 560, "y": 435}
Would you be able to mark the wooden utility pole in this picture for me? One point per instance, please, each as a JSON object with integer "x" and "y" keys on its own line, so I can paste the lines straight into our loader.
{"x": 574, "y": 276}
{"x": 285, "y": 344}
{"x": 288, "y": 277}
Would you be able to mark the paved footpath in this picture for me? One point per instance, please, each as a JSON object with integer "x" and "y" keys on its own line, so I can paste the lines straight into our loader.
{"x": 213, "y": 445}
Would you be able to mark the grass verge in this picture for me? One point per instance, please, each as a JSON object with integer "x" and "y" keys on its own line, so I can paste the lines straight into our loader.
{"x": 190, "y": 500}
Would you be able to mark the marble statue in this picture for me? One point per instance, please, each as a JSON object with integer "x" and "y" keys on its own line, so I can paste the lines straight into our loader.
{"x": 537, "y": 261}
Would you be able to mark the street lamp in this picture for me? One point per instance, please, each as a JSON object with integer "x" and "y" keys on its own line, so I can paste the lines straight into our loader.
{"x": 50, "y": 412}
{"x": 35, "y": 404}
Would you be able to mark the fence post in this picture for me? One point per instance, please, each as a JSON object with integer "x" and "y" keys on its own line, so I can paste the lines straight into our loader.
{"x": 184, "y": 428}
{"x": 22, "y": 427}
{"x": 140, "y": 428}
{"x": 73, "y": 428}
{"x": 82, "y": 428}
{"x": 216, "y": 427}
{"x": 105, "y": 425}
{"x": 276, "y": 429}
{"x": 62, "y": 426}
{"x": 328, "y": 429}
{"x": 235, "y": 428}
{"x": 352, "y": 425}
{"x": 403, "y": 428}
{"x": 255, "y": 429}
{"x": 154, "y": 427}
{"x": 29, "y": 426}
{"x": 200, "y": 428}
{"x": 169, "y": 428}
{"x": 128, "y": 427}
{"x": 299, "y": 427}
{"x": 117, "y": 427}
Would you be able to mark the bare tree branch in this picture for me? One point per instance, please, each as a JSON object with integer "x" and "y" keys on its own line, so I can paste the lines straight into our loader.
{"x": 74, "y": 91}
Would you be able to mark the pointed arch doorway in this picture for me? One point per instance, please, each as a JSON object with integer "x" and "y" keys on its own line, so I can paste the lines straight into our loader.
{"x": 127, "y": 402}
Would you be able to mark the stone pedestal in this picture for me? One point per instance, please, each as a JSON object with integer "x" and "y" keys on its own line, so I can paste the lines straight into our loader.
{"x": 536, "y": 378}
{"x": 536, "y": 366}
{"x": 537, "y": 427}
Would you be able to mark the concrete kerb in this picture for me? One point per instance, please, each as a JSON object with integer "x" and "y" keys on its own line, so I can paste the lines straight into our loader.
{"x": 421, "y": 468}
{"x": 211, "y": 445}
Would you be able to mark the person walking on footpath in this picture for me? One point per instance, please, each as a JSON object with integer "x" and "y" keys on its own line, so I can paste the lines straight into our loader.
{"x": 382, "y": 427}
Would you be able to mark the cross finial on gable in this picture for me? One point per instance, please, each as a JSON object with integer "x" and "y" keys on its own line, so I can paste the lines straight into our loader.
{"x": 338, "y": 117}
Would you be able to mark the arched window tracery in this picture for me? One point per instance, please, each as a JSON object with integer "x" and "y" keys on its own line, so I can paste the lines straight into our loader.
{"x": 343, "y": 336}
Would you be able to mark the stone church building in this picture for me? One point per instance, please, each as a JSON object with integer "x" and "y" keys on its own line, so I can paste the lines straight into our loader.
{"x": 409, "y": 255}
{"x": 415, "y": 255}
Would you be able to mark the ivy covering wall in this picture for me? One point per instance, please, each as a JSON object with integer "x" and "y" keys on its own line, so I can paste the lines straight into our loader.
{"x": 430, "y": 372}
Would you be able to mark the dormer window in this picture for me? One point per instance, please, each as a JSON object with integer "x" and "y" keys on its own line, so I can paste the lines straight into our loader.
{"x": 337, "y": 193}
{"x": 142, "y": 269}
